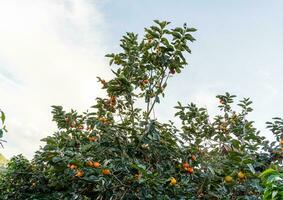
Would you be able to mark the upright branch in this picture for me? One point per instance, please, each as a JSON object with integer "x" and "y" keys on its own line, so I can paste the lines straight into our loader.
{"x": 145, "y": 65}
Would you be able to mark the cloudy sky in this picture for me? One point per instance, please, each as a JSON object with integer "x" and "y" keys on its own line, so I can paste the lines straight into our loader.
{"x": 52, "y": 50}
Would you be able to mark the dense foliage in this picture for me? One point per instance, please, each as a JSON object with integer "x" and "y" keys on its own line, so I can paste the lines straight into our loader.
{"x": 119, "y": 150}
{"x": 273, "y": 183}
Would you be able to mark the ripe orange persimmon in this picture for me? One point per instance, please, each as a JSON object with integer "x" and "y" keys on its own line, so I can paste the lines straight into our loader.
{"x": 92, "y": 139}
{"x": 191, "y": 170}
{"x": 96, "y": 164}
{"x": 89, "y": 163}
{"x": 146, "y": 81}
{"x": 72, "y": 166}
{"x": 105, "y": 171}
{"x": 79, "y": 173}
{"x": 186, "y": 165}
{"x": 194, "y": 158}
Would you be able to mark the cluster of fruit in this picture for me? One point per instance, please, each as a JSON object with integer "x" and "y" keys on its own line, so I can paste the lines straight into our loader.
{"x": 241, "y": 177}
{"x": 89, "y": 163}
{"x": 186, "y": 167}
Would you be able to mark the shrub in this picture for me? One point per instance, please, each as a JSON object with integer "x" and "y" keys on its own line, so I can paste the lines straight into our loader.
{"x": 273, "y": 182}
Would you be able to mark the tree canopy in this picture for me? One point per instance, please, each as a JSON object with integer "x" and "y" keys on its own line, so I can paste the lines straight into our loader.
{"x": 119, "y": 150}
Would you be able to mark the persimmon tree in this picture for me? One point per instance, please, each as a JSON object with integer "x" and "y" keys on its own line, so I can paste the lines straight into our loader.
{"x": 119, "y": 150}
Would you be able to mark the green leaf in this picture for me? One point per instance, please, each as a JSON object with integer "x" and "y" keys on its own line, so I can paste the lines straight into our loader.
{"x": 251, "y": 168}
{"x": 162, "y": 24}
{"x": 56, "y": 159}
{"x": 274, "y": 193}
{"x": 191, "y": 29}
{"x": 178, "y": 29}
{"x": 3, "y": 117}
{"x": 152, "y": 33}
{"x": 211, "y": 170}
{"x": 176, "y": 35}
{"x": 155, "y": 29}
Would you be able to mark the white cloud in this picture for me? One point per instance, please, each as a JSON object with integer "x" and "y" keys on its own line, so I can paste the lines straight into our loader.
{"x": 50, "y": 53}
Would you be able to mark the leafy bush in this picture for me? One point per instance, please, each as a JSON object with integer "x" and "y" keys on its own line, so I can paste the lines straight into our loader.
{"x": 119, "y": 150}
{"x": 273, "y": 182}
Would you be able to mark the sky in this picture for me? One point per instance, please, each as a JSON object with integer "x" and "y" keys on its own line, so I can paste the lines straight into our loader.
{"x": 52, "y": 51}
